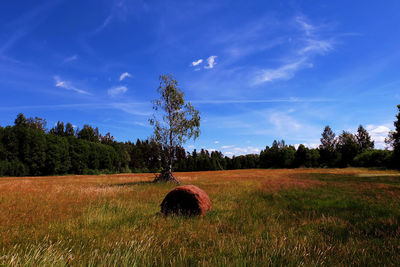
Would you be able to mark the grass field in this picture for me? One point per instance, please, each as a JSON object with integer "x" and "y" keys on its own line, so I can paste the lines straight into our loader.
{"x": 259, "y": 217}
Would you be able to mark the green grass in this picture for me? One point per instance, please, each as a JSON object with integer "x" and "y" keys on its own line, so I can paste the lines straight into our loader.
{"x": 328, "y": 224}
{"x": 391, "y": 179}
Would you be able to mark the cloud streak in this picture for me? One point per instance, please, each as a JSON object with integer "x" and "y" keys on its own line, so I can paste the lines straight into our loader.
{"x": 139, "y": 109}
{"x": 305, "y": 26}
{"x": 311, "y": 45}
{"x": 116, "y": 91}
{"x": 25, "y": 23}
{"x": 249, "y": 101}
{"x": 284, "y": 72}
{"x": 133, "y": 108}
{"x": 124, "y": 75}
{"x": 67, "y": 85}
{"x": 197, "y": 62}
{"x": 103, "y": 25}
{"x": 316, "y": 46}
{"x": 71, "y": 58}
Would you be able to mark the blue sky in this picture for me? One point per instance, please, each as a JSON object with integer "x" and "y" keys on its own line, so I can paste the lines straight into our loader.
{"x": 256, "y": 70}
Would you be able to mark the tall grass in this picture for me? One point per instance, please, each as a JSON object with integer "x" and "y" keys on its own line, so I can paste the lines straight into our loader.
{"x": 259, "y": 217}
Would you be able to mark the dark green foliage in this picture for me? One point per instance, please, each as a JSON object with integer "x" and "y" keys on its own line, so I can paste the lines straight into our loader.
{"x": 58, "y": 129}
{"x": 348, "y": 148}
{"x": 374, "y": 158}
{"x": 279, "y": 155}
{"x": 69, "y": 130}
{"x": 58, "y": 160}
{"x": 32, "y": 149}
{"x": 305, "y": 157}
{"x": 3, "y": 151}
{"x": 327, "y": 150}
{"x": 394, "y": 140}
{"x": 33, "y": 123}
{"x": 301, "y": 156}
{"x": 364, "y": 139}
{"x": 26, "y": 149}
{"x": 119, "y": 157}
{"x": 78, "y": 150}
{"x": 88, "y": 133}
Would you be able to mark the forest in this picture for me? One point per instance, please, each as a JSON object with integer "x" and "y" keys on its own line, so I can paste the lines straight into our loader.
{"x": 28, "y": 149}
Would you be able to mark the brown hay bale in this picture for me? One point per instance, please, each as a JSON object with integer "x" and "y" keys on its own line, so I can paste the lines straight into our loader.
{"x": 186, "y": 200}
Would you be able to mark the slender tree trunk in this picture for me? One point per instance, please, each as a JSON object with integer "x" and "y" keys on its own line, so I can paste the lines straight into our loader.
{"x": 170, "y": 164}
{"x": 171, "y": 151}
{"x": 166, "y": 175}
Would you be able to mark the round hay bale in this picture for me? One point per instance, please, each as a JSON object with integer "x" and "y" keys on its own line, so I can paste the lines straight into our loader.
{"x": 186, "y": 200}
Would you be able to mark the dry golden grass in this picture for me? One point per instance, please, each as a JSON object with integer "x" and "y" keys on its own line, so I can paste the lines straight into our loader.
{"x": 278, "y": 217}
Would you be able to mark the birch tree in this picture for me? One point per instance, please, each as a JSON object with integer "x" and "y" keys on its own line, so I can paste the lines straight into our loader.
{"x": 174, "y": 122}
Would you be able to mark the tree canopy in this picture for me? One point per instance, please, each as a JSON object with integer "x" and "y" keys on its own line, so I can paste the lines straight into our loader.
{"x": 27, "y": 148}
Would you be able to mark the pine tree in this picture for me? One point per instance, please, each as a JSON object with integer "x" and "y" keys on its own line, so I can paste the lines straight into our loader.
{"x": 58, "y": 129}
{"x": 69, "y": 129}
{"x": 348, "y": 147}
{"x": 21, "y": 120}
{"x": 328, "y": 155}
{"x": 394, "y": 140}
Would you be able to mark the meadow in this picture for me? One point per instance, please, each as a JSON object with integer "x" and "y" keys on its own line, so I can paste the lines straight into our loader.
{"x": 259, "y": 218}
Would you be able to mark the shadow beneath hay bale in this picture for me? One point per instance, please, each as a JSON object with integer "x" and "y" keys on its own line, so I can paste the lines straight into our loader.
{"x": 187, "y": 200}
{"x": 181, "y": 203}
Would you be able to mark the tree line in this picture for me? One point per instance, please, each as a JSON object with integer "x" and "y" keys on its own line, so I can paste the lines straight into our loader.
{"x": 28, "y": 148}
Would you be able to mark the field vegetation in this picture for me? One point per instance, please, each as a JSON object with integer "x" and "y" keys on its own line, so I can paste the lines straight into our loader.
{"x": 259, "y": 217}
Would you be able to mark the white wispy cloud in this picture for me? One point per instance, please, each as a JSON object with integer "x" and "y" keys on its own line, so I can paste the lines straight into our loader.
{"x": 117, "y": 90}
{"x": 309, "y": 145}
{"x": 226, "y": 147}
{"x": 282, "y": 120}
{"x": 216, "y": 142}
{"x": 269, "y": 123}
{"x": 311, "y": 45}
{"x": 132, "y": 108}
{"x": 195, "y": 63}
{"x": 272, "y": 100}
{"x": 138, "y": 108}
{"x": 317, "y": 46}
{"x": 71, "y": 58}
{"x": 378, "y": 134}
{"x": 236, "y": 151}
{"x": 67, "y": 85}
{"x": 120, "y": 10}
{"x": 307, "y": 27}
{"x": 124, "y": 75}
{"x": 104, "y": 24}
{"x": 284, "y": 72}
{"x": 10, "y": 42}
{"x": 210, "y": 62}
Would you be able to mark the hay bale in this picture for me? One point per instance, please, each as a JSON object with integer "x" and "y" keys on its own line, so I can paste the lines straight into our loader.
{"x": 186, "y": 200}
